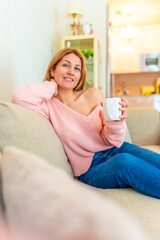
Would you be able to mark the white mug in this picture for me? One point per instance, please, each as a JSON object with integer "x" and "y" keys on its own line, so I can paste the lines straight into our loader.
{"x": 111, "y": 108}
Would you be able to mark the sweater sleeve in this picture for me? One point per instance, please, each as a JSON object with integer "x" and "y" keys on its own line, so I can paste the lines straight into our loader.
{"x": 34, "y": 96}
{"x": 113, "y": 133}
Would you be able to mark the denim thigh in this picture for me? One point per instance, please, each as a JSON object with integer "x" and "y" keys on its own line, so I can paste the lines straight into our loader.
{"x": 126, "y": 166}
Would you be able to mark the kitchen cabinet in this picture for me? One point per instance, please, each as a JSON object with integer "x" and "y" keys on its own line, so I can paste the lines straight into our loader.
{"x": 89, "y": 46}
{"x": 125, "y": 54}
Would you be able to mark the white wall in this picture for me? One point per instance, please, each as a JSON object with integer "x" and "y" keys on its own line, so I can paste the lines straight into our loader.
{"x": 94, "y": 12}
{"x": 29, "y": 38}
{"x": 31, "y": 31}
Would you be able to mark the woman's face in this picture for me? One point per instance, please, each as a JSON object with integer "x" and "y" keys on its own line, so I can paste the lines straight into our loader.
{"x": 68, "y": 71}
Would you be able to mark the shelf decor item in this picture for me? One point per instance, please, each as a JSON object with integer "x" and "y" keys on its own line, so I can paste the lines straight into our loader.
{"x": 88, "y": 52}
{"x": 87, "y": 28}
{"x": 74, "y": 9}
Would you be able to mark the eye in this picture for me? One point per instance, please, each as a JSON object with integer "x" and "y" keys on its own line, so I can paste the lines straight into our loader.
{"x": 65, "y": 65}
{"x": 77, "y": 69}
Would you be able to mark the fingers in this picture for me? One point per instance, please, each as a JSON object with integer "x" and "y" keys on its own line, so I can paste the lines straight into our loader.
{"x": 123, "y": 102}
{"x": 56, "y": 88}
{"x": 123, "y": 109}
{"x": 123, "y": 116}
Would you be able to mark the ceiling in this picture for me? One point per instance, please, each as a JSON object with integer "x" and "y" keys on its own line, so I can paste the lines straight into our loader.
{"x": 137, "y": 12}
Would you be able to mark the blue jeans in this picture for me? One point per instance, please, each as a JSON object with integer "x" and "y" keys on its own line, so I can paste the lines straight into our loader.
{"x": 127, "y": 166}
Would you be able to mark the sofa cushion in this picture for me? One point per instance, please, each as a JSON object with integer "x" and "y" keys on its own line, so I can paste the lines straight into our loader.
{"x": 1, "y": 197}
{"x": 144, "y": 126}
{"x": 31, "y": 131}
{"x": 155, "y": 148}
{"x": 128, "y": 136}
{"x": 146, "y": 209}
{"x": 43, "y": 200}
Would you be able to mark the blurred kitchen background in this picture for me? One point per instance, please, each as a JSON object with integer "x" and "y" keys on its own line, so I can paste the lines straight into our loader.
{"x": 135, "y": 51}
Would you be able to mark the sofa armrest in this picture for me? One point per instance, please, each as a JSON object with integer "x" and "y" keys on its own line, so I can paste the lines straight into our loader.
{"x": 144, "y": 126}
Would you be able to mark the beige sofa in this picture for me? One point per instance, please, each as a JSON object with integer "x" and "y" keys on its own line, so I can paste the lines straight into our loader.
{"x": 30, "y": 131}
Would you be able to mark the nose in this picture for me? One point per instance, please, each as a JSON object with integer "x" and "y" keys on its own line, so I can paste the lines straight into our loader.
{"x": 71, "y": 71}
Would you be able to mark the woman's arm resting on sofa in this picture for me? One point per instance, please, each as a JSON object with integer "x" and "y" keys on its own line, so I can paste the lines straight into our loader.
{"x": 32, "y": 95}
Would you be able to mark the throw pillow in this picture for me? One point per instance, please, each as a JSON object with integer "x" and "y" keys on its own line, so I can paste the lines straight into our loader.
{"x": 45, "y": 202}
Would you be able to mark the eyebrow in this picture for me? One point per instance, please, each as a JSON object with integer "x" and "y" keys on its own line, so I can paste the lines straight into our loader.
{"x": 70, "y": 63}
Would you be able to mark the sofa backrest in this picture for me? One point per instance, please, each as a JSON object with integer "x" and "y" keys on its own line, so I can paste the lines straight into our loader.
{"x": 144, "y": 125}
{"x": 33, "y": 132}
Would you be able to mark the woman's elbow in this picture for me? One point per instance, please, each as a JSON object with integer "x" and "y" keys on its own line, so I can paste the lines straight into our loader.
{"x": 14, "y": 98}
{"x": 17, "y": 97}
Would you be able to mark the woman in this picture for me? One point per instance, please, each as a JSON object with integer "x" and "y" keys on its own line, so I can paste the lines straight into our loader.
{"x": 95, "y": 147}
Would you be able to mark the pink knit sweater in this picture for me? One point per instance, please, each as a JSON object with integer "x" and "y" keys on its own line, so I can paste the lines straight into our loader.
{"x": 80, "y": 135}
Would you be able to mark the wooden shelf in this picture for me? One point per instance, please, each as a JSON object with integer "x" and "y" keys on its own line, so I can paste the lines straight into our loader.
{"x": 78, "y": 37}
{"x": 150, "y": 72}
{"x": 133, "y": 82}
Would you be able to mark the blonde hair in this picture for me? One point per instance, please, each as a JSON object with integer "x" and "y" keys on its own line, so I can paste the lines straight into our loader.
{"x": 58, "y": 57}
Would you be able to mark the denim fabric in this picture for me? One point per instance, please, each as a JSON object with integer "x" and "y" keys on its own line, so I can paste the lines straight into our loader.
{"x": 127, "y": 166}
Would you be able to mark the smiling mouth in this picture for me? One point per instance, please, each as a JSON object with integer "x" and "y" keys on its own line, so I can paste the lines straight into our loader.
{"x": 68, "y": 79}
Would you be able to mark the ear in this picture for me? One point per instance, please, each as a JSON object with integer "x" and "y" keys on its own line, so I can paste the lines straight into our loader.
{"x": 52, "y": 72}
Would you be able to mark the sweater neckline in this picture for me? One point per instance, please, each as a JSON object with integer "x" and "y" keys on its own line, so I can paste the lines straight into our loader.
{"x": 74, "y": 111}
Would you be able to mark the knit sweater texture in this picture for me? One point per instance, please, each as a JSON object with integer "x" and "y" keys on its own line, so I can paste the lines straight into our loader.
{"x": 80, "y": 135}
